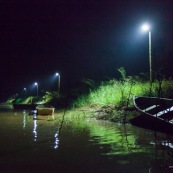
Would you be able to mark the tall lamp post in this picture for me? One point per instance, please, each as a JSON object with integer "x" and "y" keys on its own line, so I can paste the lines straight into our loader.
{"x": 57, "y": 74}
{"x": 36, "y": 84}
{"x": 145, "y": 28}
{"x": 25, "y": 90}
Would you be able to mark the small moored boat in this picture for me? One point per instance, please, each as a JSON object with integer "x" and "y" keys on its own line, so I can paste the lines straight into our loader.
{"x": 6, "y": 106}
{"x": 156, "y": 110}
{"x": 24, "y": 106}
{"x": 45, "y": 110}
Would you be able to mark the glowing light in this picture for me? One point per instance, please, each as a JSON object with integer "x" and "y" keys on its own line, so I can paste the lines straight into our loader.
{"x": 57, "y": 74}
{"x": 35, "y": 130}
{"x": 145, "y": 27}
{"x": 36, "y": 84}
{"x": 56, "y": 140}
{"x": 24, "y": 119}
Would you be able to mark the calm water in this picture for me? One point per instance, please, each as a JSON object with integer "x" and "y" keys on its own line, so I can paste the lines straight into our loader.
{"x": 82, "y": 146}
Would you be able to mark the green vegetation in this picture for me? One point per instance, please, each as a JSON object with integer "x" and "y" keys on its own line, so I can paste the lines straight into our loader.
{"x": 48, "y": 97}
{"x": 120, "y": 92}
{"x": 113, "y": 97}
{"x": 117, "y": 93}
{"x": 113, "y": 100}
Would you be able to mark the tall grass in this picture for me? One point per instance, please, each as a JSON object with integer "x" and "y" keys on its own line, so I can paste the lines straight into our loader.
{"x": 120, "y": 92}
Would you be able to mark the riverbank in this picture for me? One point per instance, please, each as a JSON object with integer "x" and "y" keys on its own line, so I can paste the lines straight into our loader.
{"x": 123, "y": 115}
{"x": 107, "y": 113}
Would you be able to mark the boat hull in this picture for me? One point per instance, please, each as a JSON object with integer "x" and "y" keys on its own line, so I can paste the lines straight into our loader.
{"x": 45, "y": 111}
{"x": 6, "y": 106}
{"x": 154, "y": 106}
{"x": 24, "y": 106}
{"x": 155, "y": 112}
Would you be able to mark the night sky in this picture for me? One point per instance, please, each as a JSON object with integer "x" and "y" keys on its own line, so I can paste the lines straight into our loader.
{"x": 81, "y": 39}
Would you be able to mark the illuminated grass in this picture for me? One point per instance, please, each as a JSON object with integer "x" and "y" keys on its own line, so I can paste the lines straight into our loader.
{"x": 120, "y": 93}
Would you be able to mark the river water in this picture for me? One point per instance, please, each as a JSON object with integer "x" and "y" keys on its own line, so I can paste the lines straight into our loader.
{"x": 80, "y": 146}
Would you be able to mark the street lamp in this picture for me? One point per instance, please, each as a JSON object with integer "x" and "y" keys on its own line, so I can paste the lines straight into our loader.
{"x": 36, "y": 84}
{"x": 146, "y": 27}
{"x": 57, "y": 74}
{"x": 25, "y": 90}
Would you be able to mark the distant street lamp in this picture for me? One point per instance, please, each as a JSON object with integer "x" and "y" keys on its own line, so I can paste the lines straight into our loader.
{"x": 36, "y": 84}
{"x": 57, "y": 74}
{"x": 145, "y": 28}
{"x": 25, "y": 90}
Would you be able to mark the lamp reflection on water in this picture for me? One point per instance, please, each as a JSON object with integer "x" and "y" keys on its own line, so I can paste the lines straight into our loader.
{"x": 35, "y": 127}
{"x": 56, "y": 140}
{"x": 24, "y": 119}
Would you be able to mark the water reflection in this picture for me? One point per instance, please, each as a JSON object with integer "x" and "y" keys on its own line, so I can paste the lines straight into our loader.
{"x": 35, "y": 129}
{"x": 120, "y": 140}
{"x": 167, "y": 144}
{"x": 24, "y": 119}
{"x": 56, "y": 140}
{"x": 164, "y": 143}
{"x": 91, "y": 145}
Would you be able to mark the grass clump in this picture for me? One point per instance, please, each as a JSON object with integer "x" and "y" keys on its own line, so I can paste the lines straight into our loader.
{"x": 120, "y": 92}
{"x": 113, "y": 99}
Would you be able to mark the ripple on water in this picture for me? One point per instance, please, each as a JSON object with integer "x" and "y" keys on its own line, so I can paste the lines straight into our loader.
{"x": 93, "y": 145}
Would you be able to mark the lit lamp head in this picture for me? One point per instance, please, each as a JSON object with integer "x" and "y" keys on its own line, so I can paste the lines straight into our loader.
{"x": 57, "y": 74}
{"x": 35, "y": 83}
{"x": 145, "y": 27}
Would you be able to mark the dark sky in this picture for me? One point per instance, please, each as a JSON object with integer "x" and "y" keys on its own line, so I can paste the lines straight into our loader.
{"x": 80, "y": 39}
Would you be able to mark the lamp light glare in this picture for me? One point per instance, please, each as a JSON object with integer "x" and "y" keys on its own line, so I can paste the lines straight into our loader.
{"x": 145, "y": 27}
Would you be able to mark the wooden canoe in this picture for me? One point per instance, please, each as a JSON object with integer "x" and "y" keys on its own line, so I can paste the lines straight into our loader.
{"x": 157, "y": 108}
